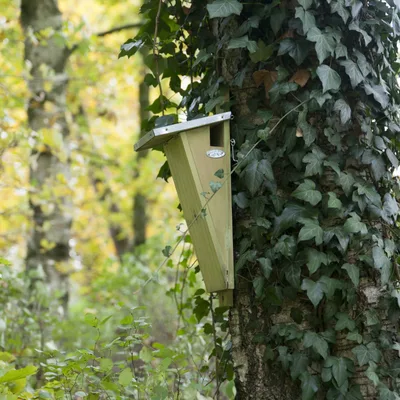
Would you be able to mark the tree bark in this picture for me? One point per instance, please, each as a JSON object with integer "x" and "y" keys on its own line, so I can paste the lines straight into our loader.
{"x": 46, "y": 57}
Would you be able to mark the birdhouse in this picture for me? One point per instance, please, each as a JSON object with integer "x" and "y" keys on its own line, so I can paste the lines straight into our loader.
{"x": 198, "y": 154}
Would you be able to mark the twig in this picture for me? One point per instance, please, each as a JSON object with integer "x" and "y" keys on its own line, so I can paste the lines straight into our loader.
{"x": 119, "y": 29}
{"x": 215, "y": 347}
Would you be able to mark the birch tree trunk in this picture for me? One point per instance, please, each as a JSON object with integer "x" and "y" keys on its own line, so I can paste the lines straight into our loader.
{"x": 46, "y": 57}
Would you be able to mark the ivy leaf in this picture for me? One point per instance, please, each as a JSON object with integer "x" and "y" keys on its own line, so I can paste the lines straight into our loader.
{"x": 308, "y": 131}
{"x": 266, "y": 267}
{"x": 219, "y": 174}
{"x": 130, "y": 47}
{"x": 390, "y": 206}
{"x": 314, "y": 161}
{"x": 314, "y": 290}
{"x": 339, "y": 370}
{"x": 320, "y": 97}
{"x": 392, "y": 158}
{"x": 297, "y": 49}
{"x": 368, "y": 353}
{"x": 301, "y": 77}
{"x": 315, "y": 259}
{"x": 202, "y": 57}
{"x": 277, "y": 18}
{"x": 354, "y": 26}
{"x": 290, "y": 216}
{"x": 292, "y": 274}
{"x": 215, "y": 186}
{"x": 309, "y": 386}
{"x": 379, "y": 93}
{"x": 371, "y": 373}
{"x": 243, "y": 42}
{"x": 355, "y": 337}
{"x": 306, "y": 191}
{"x": 311, "y": 230}
{"x": 354, "y": 273}
{"x": 362, "y": 63}
{"x": 224, "y": 8}
{"x": 324, "y": 43}
{"x": 356, "y": 7}
{"x": 370, "y": 192}
{"x": 258, "y": 285}
{"x": 353, "y": 72}
{"x": 342, "y": 237}
{"x": 344, "y": 109}
{"x": 306, "y": 4}
{"x": 338, "y": 7}
{"x": 341, "y": 51}
{"x": 263, "y": 52}
{"x": 255, "y": 174}
{"x": 299, "y": 364}
{"x": 330, "y": 285}
{"x": 354, "y": 225}
{"x": 286, "y": 246}
{"x": 333, "y": 201}
{"x": 306, "y": 18}
{"x": 372, "y": 318}
{"x": 382, "y": 263}
{"x": 344, "y": 322}
{"x": 212, "y": 103}
{"x": 284, "y": 356}
{"x": 319, "y": 345}
{"x": 378, "y": 168}
{"x": 330, "y": 79}
{"x": 346, "y": 181}
{"x": 386, "y": 394}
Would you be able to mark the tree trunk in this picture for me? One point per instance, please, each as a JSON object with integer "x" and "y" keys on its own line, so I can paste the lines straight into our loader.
{"x": 255, "y": 319}
{"x": 46, "y": 57}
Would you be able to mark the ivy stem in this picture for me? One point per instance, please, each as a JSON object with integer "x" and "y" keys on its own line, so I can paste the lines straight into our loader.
{"x": 215, "y": 347}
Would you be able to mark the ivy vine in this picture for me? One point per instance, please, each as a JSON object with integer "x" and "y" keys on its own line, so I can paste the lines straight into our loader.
{"x": 319, "y": 195}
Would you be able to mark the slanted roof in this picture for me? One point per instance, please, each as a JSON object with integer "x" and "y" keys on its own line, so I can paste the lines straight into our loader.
{"x": 159, "y": 136}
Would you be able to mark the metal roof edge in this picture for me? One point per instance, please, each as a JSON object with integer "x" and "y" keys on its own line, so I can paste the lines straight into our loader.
{"x": 181, "y": 127}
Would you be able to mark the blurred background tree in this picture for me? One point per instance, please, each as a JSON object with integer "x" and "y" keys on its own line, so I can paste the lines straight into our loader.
{"x": 83, "y": 220}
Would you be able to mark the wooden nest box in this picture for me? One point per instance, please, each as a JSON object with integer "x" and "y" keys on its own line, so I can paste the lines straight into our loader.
{"x": 195, "y": 151}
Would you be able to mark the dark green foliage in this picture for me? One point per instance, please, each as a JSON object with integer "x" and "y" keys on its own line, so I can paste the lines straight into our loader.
{"x": 317, "y": 191}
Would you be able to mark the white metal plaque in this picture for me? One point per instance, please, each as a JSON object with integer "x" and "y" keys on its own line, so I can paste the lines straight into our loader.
{"x": 215, "y": 153}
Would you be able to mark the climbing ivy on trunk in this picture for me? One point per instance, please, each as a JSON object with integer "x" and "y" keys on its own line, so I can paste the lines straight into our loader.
{"x": 313, "y": 87}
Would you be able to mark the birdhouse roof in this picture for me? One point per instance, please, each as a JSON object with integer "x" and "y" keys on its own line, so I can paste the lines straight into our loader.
{"x": 159, "y": 136}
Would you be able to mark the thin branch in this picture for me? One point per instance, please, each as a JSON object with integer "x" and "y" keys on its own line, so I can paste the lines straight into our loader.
{"x": 109, "y": 32}
{"x": 119, "y": 29}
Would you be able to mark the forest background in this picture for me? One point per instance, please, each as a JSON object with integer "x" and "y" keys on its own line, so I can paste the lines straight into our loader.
{"x": 121, "y": 326}
{"x": 313, "y": 88}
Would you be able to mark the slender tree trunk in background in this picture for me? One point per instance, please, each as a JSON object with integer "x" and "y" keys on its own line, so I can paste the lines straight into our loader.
{"x": 48, "y": 239}
{"x": 120, "y": 239}
{"x": 139, "y": 200}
